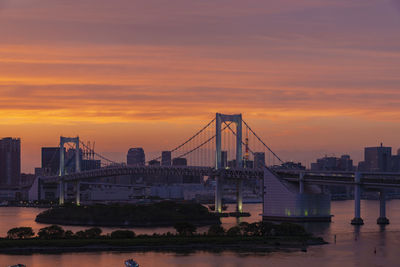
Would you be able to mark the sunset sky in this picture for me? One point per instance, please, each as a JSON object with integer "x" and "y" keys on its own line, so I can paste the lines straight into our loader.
{"x": 312, "y": 77}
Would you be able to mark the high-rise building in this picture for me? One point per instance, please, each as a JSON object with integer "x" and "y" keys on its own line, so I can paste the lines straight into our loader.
{"x": 136, "y": 157}
{"x": 166, "y": 159}
{"x": 259, "y": 160}
{"x": 50, "y": 160}
{"x": 179, "y": 162}
{"x": 344, "y": 163}
{"x": 10, "y": 161}
{"x": 377, "y": 159}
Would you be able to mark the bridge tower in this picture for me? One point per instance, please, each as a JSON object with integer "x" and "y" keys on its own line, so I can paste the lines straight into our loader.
{"x": 237, "y": 119}
{"x": 63, "y": 141}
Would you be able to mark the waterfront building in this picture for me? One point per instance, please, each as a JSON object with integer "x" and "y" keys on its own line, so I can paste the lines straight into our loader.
{"x": 377, "y": 159}
{"x": 166, "y": 159}
{"x": 10, "y": 161}
{"x": 179, "y": 162}
{"x": 344, "y": 163}
{"x": 136, "y": 157}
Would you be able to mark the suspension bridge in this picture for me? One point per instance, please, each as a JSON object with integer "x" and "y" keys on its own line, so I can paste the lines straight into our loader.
{"x": 227, "y": 148}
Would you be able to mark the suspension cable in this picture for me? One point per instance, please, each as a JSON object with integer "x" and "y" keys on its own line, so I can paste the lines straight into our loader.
{"x": 187, "y": 141}
{"x": 262, "y": 142}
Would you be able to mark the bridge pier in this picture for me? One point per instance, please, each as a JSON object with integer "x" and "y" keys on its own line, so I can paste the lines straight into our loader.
{"x": 61, "y": 196}
{"x": 357, "y": 200}
{"x": 382, "y": 208}
{"x": 218, "y": 194}
{"x": 301, "y": 183}
{"x": 78, "y": 193}
{"x": 239, "y": 195}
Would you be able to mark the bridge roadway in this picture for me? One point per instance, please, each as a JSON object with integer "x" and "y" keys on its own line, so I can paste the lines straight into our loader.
{"x": 367, "y": 179}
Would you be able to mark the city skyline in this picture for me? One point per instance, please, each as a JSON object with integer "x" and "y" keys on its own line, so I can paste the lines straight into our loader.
{"x": 314, "y": 77}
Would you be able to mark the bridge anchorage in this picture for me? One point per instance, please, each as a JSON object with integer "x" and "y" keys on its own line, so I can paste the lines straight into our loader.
{"x": 288, "y": 194}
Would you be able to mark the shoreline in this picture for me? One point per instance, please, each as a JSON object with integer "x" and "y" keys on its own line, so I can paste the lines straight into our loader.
{"x": 181, "y": 245}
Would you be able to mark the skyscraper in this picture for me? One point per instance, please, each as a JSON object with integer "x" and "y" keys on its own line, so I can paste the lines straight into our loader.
{"x": 136, "y": 157}
{"x": 377, "y": 159}
{"x": 10, "y": 161}
{"x": 166, "y": 159}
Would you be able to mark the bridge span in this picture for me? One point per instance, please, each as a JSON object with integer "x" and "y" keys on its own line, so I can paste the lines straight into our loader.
{"x": 226, "y": 148}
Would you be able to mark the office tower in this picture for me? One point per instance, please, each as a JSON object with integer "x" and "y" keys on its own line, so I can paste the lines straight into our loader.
{"x": 10, "y": 161}
{"x": 179, "y": 162}
{"x": 50, "y": 160}
{"x": 166, "y": 158}
{"x": 377, "y": 159}
{"x": 136, "y": 157}
{"x": 259, "y": 160}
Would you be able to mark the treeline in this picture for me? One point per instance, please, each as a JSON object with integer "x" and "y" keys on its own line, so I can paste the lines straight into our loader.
{"x": 184, "y": 229}
{"x": 165, "y": 213}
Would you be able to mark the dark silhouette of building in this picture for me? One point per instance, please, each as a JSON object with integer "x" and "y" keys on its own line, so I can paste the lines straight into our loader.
{"x": 154, "y": 163}
{"x": 136, "y": 157}
{"x": 377, "y": 159}
{"x": 292, "y": 166}
{"x": 259, "y": 160}
{"x": 10, "y": 161}
{"x": 166, "y": 159}
{"x": 179, "y": 162}
{"x": 344, "y": 163}
{"x": 50, "y": 160}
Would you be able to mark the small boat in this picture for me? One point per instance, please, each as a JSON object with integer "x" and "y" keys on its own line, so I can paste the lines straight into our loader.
{"x": 131, "y": 263}
{"x": 17, "y": 265}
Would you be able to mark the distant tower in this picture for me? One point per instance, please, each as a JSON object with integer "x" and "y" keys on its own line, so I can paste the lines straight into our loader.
{"x": 136, "y": 157}
{"x": 10, "y": 161}
{"x": 166, "y": 159}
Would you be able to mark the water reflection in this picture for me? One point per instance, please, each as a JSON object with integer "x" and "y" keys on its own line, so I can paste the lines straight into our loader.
{"x": 367, "y": 245}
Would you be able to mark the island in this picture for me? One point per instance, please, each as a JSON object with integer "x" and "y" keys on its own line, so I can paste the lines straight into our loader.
{"x": 247, "y": 237}
{"x": 164, "y": 213}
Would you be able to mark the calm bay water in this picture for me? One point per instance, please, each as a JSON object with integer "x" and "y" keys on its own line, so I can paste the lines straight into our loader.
{"x": 355, "y": 246}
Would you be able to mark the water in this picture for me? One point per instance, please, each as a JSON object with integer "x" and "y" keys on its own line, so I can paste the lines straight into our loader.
{"x": 354, "y": 246}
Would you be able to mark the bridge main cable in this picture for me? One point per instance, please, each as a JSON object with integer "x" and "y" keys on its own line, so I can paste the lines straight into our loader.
{"x": 262, "y": 142}
{"x": 190, "y": 139}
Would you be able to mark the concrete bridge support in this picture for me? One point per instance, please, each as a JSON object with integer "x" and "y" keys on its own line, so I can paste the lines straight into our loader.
{"x": 239, "y": 196}
{"x": 62, "y": 192}
{"x": 301, "y": 183}
{"x": 64, "y": 140}
{"x": 357, "y": 200}
{"x": 219, "y": 119}
{"x": 382, "y": 214}
{"x": 218, "y": 194}
{"x": 78, "y": 193}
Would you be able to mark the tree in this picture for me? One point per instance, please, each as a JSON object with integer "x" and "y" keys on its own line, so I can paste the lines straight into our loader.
{"x": 69, "y": 234}
{"x": 51, "y": 232}
{"x": 234, "y": 231}
{"x": 185, "y": 228}
{"x": 122, "y": 234}
{"x": 20, "y": 233}
{"x": 216, "y": 230}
